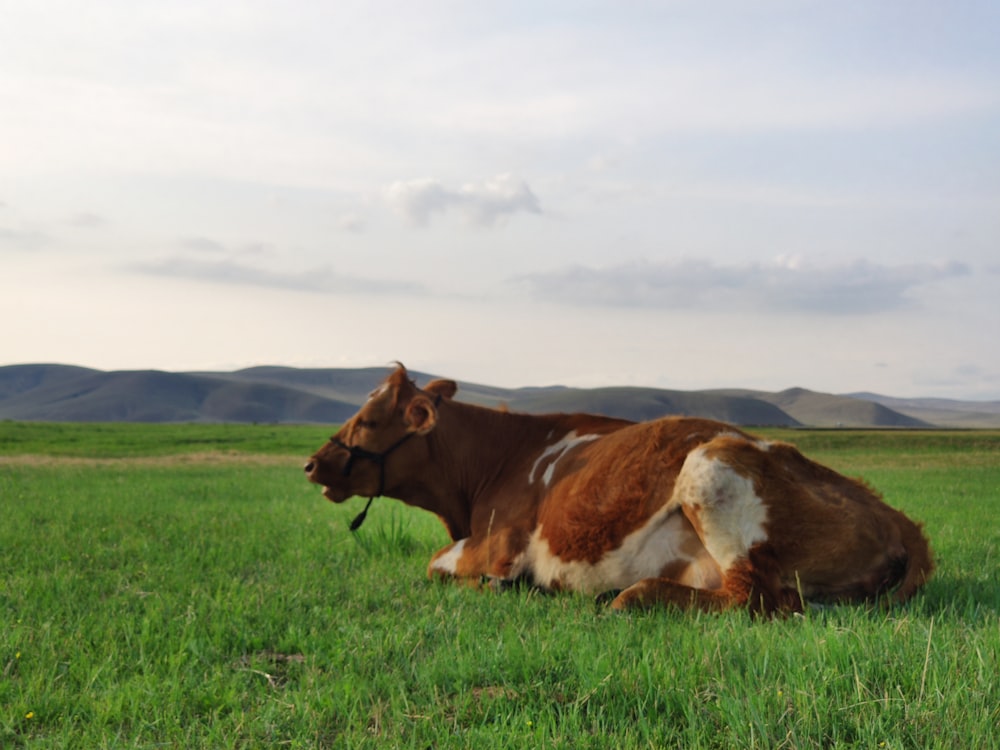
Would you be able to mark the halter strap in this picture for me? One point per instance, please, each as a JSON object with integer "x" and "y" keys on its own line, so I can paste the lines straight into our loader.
{"x": 377, "y": 458}
{"x": 357, "y": 452}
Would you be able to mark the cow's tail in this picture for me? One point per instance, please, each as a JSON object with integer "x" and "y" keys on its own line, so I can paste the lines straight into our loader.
{"x": 919, "y": 560}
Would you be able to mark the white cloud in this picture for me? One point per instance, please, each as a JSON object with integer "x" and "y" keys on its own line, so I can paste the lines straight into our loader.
{"x": 322, "y": 280}
{"x": 88, "y": 220}
{"x": 504, "y": 195}
{"x": 350, "y": 222}
{"x": 787, "y": 284}
{"x": 483, "y": 203}
{"x": 22, "y": 240}
{"x": 417, "y": 200}
{"x": 202, "y": 245}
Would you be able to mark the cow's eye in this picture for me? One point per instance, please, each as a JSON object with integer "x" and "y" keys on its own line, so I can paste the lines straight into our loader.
{"x": 366, "y": 424}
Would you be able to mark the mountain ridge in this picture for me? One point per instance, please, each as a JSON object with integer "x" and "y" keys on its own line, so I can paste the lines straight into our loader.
{"x": 277, "y": 394}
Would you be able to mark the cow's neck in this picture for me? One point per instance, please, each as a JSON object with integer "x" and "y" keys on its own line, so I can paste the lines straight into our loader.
{"x": 481, "y": 457}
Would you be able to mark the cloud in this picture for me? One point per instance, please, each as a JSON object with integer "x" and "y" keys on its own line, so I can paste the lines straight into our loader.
{"x": 88, "y": 220}
{"x": 22, "y": 240}
{"x": 483, "y": 203}
{"x": 856, "y": 287}
{"x": 320, "y": 280}
{"x": 351, "y": 222}
{"x": 786, "y": 284}
{"x": 202, "y": 245}
{"x": 489, "y": 201}
{"x": 417, "y": 200}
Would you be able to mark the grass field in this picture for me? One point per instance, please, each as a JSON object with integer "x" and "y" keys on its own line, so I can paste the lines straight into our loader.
{"x": 184, "y": 586}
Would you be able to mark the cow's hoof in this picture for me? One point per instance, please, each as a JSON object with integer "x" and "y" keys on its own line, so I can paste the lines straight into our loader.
{"x": 496, "y": 584}
{"x": 606, "y": 597}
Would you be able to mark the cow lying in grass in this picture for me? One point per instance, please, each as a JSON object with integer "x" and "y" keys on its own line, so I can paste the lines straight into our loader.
{"x": 681, "y": 511}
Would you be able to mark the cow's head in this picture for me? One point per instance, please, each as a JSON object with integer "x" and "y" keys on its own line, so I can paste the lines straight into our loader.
{"x": 380, "y": 447}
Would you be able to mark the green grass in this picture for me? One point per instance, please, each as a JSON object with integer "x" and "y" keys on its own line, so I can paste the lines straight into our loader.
{"x": 209, "y": 602}
{"x": 130, "y": 440}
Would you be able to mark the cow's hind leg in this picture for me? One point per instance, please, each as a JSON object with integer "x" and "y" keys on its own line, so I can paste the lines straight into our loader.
{"x": 751, "y": 582}
{"x": 715, "y": 492}
{"x": 652, "y": 592}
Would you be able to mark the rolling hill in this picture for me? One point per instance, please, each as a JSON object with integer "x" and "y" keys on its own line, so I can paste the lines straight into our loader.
{"x": 59, "y": 394}
{"x": 941, "y": 411}
{"x": 49, "y": 392}
{"x": 827, "y": 410}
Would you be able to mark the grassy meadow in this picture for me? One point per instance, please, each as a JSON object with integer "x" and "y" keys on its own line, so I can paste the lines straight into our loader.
{"x": 184, "y": 586}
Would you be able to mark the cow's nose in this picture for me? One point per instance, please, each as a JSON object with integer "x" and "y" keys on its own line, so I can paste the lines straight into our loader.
{"x": 308, "y": 468}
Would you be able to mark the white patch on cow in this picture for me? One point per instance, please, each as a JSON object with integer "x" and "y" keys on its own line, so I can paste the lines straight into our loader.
{"x": 518, "y": 566}
{"x": 731, "y": 515}
{"x": 557, "y": 451}
{"x": 642, "y": 554}
{"x": 760, "y": 443}
{"x": 764, "y": 445}
{"x": 448, "y": 562}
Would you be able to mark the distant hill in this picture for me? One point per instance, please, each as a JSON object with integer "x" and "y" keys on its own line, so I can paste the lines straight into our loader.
{"x": 44, "y": 392}
{"x": 59, "y": 394}
{"x": 827, "y": 410}
{"x": 941, "y": 411}
{"x": 639, "y": 404}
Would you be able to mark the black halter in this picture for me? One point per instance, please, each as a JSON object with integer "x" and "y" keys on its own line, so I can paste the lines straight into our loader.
{"x": 377, "y": 458}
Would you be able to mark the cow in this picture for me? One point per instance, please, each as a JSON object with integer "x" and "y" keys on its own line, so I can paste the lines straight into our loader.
{"x": 678, "y": 511}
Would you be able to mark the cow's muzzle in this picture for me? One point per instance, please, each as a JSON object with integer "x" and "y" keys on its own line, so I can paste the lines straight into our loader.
{"x": 356, "y": 452}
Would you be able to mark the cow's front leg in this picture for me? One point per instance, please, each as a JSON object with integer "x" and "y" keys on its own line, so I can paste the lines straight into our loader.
{"x": 493, "y": 558}
{"x": 452, "y": 562}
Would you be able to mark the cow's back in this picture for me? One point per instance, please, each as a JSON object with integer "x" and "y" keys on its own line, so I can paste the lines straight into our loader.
{"x": 613, "y": 486}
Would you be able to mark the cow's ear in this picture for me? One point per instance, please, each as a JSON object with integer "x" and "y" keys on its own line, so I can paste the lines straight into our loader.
{"x": 442, "y": 388}
{"x": 420, "y": 415}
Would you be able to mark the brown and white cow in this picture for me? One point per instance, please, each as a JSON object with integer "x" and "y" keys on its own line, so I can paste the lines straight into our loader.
{"x": 682, "y": 511}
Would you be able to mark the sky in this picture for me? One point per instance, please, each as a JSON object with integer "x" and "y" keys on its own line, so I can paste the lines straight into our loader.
{"x": 679, "y": 194}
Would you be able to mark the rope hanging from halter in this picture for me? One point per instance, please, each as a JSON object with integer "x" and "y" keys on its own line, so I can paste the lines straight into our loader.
{"x": 378, "y": 459}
